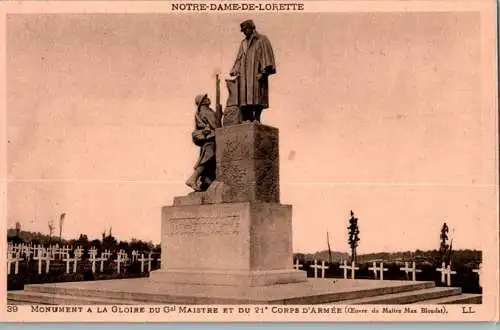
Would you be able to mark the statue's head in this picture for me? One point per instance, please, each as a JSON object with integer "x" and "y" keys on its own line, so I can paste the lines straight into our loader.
{"x": 201, "y": 99}
{"x": 247, "y": 27}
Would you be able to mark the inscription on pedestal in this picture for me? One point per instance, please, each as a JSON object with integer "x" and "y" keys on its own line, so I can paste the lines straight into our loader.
{"x": 227, "y": 225}
{"x": 252, "y": 236}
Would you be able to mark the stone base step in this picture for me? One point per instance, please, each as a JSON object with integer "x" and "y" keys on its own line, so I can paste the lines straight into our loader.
{"x": 358, "y": 293}
{"x": 464, "y": 298}
{"x": 23, "y": 297}
{"x": 314, "y": 291}
{"x": 404, "y": 297}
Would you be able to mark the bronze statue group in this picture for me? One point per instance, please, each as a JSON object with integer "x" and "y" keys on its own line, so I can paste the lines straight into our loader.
{"x": 248, "y": 95}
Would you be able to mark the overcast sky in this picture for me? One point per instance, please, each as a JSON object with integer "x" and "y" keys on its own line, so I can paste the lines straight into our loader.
{"x": 378, "y": 113}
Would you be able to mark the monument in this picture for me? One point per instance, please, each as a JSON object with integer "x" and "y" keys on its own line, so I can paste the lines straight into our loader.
{"x": 230, "y": 240}
{"x": 235, "y": 232}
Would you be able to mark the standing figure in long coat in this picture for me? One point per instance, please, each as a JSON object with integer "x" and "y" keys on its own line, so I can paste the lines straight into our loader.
{"x": 254, "y": 64}
{"x": 206, "y": 121}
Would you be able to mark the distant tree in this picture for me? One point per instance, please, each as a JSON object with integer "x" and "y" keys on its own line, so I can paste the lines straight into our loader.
{"x": 109, "y": 242}
{"x": 123, "y": 245}
{"x": 139, "y": 245}
{"x": 18, "y": 228}
{"x": 51, "y": 228}
{"x": 14, "y": 235}
{"x": 353, "y": 232}
{"x": 83, "y": 241}
{"x": 443, "y": 247}
{"x": 299, "y": 256}
{"x": 73, "y": 242}
{"x": 95, "y": 243}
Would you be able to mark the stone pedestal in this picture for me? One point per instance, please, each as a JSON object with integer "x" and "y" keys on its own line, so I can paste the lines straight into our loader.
{"x": 230, "y": 243}
{"x": 248, "y": 161}
{"x": 236, "y": 233}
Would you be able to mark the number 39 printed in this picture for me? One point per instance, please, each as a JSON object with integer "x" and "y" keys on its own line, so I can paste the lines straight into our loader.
{"x": 12, "y": 308}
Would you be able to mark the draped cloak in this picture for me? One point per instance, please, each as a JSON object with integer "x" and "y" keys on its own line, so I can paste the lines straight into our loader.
{"x": 255, "y": 56}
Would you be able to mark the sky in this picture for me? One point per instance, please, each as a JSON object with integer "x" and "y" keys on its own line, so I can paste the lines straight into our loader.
{"x": 379, "y": 113}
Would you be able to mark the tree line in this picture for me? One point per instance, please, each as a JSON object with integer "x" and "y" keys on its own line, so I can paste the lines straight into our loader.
{"x": 445, "y": 253}
{"x": 108, "y": 241}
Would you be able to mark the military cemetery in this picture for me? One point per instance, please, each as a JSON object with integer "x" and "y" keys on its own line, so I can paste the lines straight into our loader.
{"x": 36, "y": 263}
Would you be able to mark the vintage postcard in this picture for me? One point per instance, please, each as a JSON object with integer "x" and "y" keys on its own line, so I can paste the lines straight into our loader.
{"x": 243, "y": 161}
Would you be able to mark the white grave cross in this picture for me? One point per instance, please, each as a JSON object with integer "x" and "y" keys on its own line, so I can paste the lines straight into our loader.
{"x": 79, "y": 252}
{"x": 52, "y": 251}
{"x": 40, "y": 257}
{"x": 13, "y": 260}
{"x": 135, "y": 255}
{"x": 413, "y": 270}
{"x": 68, "y": 260}
{"x": 148, "y": 259}
{"x": 106, "y": 254}
{"x": 31, "y": 251}
{"x": 446, "y": 273}
{"x": 297, "y": 265}
{"x": 352, "y": 268}
{"x": 13, "y": 248}
{"x": 124, "y": 255}
{"x": 27, "y": 252}
{"x": 48, "y": 257}
{"x": 322, "y": 267}
{"x": 63, "y": 252}
{"x": 93, "y": 250}
{"x": 345, "y": 268}
{"x": 120, "y": 258}
{"x": 104, "y": 257}
{"x": 376, "y": 270}
{"x": 93, "y": 259}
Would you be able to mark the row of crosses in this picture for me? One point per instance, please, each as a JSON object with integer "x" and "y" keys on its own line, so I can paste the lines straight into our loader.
{"x": 378, "y": 271}
{"x": 41, "y": 255}
{"x": 55, "y": 251}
